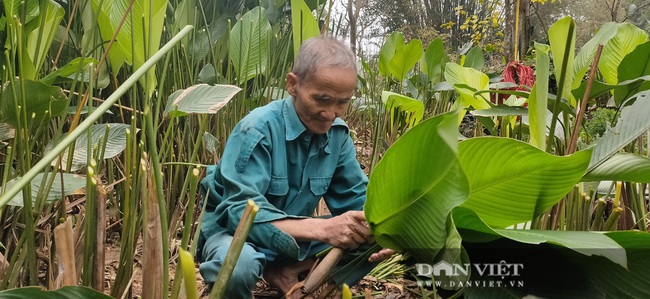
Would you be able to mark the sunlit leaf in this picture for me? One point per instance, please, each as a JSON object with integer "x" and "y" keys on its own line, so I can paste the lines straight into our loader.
{"x": 621, "y": 167}
{"x": 392, "y": 43}
{"x": 562, "y": 39}
{"x": 633, "y": 66}
{"x": 404, "y": 59}
{"x": 42, "y": 102}
{"x": 71, "y": 183}
{"x": 434, "y": 60}
{"x": 406, "y": 104}
{"x": 414, "y": 187}
{"x": 587, "y": 52}
{"x": 512, "y": 182}
{"x": 304, "y": 24}
{"x": 249, "y": 44}
{"x": 501, "y": 110}
{"x": 475, "y": 59}
{"x": 633, "y": 122}
{"x": 458, "y": 77}
{"x": 115, "y": 144}
{"x": 538, "y": 99}
{"x": 200, "y": 98}
{"x": 627, "y": 38}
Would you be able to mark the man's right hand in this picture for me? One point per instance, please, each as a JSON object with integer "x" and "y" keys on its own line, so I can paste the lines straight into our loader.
{"x": 348, "y": 230}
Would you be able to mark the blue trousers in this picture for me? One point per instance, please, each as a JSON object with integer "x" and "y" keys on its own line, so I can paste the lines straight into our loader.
{"x": 252, "y": 260}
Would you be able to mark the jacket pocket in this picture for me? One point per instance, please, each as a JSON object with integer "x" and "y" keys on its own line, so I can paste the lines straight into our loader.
{"x": 279, "y": 186}
{"x": 319, "y": 185}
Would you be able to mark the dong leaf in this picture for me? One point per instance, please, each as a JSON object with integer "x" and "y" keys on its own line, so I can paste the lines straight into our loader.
{"x": 633, "y": 122}
{"x": 562, "y": 39}
{"x": 394, "y": 101}
{"x": 512, "y": 182}
{"x": 394, "y": 41}
{"x": 250, "y": 41}
{"x": 587, "y": 53}
{"x": 461, "y": 78}
{"x": 115, "y": 144}
{"x": 71, "y": 183}
{"x": 200, "y": 99}
{"x": 621, "y": 167}
{"x": 627, "y": 38}
{"x": 633, "y": 66}
{"x": 415, "y": 186}
{"x": 434, "y": 60}
{"x": 538, "y": 99}
{"x": 474, "y": 59}
{"x": 303, "y": 23}
{"x": 404, "y": 59}
{"x": 42, "y": 102}
{"x": 474, "y": 229}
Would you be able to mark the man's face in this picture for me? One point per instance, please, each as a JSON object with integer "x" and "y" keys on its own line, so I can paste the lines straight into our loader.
{"x": 323, "y": 98}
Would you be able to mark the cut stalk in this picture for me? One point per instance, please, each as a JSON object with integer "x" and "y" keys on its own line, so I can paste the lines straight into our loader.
{"x": 65, "y": 254}
{"x": 612, "y": 220}
{"x": 598, "y": 215}
{"x": 152, "y": 262}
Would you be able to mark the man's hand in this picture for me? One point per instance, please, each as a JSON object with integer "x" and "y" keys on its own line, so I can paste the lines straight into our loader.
{"x": 381, "y": 255}
{"x": 348, "y": 230}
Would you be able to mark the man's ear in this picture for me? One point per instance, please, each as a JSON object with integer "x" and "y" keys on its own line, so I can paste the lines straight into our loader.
{"x": 292, "y": 82}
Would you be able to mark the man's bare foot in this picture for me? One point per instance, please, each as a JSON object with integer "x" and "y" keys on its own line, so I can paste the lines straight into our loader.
{"x": 285, "y": 277}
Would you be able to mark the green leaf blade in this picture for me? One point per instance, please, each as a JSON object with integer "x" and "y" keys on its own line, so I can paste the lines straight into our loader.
{"x": 411, "y": 193}
{"x": 511, "y": 182}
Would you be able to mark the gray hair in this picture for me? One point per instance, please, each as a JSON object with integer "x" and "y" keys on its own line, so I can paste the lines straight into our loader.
{"x": 323, "y": 51}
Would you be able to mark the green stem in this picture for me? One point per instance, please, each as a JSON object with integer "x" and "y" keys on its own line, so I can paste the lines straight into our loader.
{"x": 98, "y": 113}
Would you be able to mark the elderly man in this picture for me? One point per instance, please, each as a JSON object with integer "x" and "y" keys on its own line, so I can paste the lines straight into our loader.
{"x": 285, "y": 156}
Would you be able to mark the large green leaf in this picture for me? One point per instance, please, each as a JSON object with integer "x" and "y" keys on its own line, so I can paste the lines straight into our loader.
{"x": 42, "y": 102}
{"x": 115, "y": 144}
{"x": 538, "y": 99}
{"x": 40, "y": 39}
{"x": 633, "y": 66}
{"x": 410, "y": 105}
{"x": 434, "y": 60}
{"x": 473, "y": 229}
{"x": 139, "y": 33}
{"x": 512, "y": 182}
{"x": 621, "y": 167}
{"x": 250, "y": 40}
{"x": 15, "y": 8}
{"x": 457, "y": 75}
{"x": 474, "y": 59}
{"x": 404, "y": 59}
{"x": 626, "y": 39}
{"x": 303, "y": 23}
{"x": 67, "y": 292}
{"x": 623, "y": 89}
{"x": 587, "y": 53}
{"x": 71, "y": 183}
{"x": 80, "y": 69}
{"x": 414, "y": 187}
{"x": 562, "y": 39}
{"x": 394, "y": 41}
{"x": 200, "y": 98}
{"x": 633, "y": 122}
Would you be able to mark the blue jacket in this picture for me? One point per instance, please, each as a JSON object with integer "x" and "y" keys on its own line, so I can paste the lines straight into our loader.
{"x": 271, "y": 158}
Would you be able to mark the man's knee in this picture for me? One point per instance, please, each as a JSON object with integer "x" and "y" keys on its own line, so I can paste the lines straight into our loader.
{"x": 247, "y": 272}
